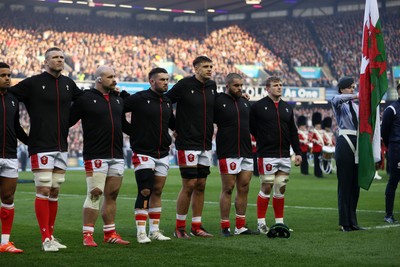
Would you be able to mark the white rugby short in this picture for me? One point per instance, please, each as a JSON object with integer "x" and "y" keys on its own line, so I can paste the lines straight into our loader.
{"x": 270, "y": 166}
{"x": 9, "y": 168}
{"x": 160, "y": 166}
{"x": 235, "y": 165}
{"x": 190, "y": 158}
{"x": 111, "y": 167}
{"x": 49, "y": 160}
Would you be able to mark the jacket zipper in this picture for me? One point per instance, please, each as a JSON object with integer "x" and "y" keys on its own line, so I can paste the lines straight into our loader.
{"x": 112, "y": 127}
{"x": 238, "y": 130}
{"x": 58, "y": 116}
{"x": 4, "y": 126}
{"x": 161, "y": 116}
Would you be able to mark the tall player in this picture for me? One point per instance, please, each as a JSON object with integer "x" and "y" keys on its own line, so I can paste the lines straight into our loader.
{"x": 195, "y": 97}
{"x": 48, "y": 97}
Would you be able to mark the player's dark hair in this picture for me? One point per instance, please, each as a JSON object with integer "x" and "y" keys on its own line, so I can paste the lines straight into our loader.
{"x": 201, "y": 59}
{"x": 4, "y": 65}
{"x": 156, "y": 71}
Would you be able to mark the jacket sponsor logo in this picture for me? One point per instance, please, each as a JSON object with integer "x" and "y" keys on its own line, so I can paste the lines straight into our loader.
{"x": 245, "y": 105}
{"x": 43, "y": 87}
{"x": 232, "y": 166}
{"x": 118, "y": 101}
{"x": 190, "y": 157}
{"x": 44, "y": 160}
{"x": 287, "y": 110}
{"x": 67, "y": 87}
{"x": 265, "y": 108}
{"x": 148, "y": 101}
{"x": 12, "y": 102}
{"x": 212, "y": 91}
{"x": 224, "y": 105}
{"x": 167, "y": 104}
{"x": 145, "y": 158}
{"x": 94, "y": 101}
{"x": 192, "y": 91}
{"x": 97, "y": 163}
{"x": 268, "y": 167}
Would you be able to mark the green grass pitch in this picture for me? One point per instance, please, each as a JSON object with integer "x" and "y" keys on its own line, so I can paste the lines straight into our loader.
{"x": 311, "y": 211}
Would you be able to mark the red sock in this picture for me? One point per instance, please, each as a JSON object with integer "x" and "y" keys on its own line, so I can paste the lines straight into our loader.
{"x": 225, "y": 224}
{"x": 196, "y": 225}
{"x": 7, "y": 218}
{"x": 180, "y": 223}
{"x": 42, "y": 215}
{"x": 240, "y": 221}
{"x": 278, "y": 204}
{"x": 53, "y": 208}
{"x": 262, "y": 206}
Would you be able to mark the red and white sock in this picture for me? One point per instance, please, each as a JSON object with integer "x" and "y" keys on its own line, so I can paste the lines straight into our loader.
{"x": 141, "y": 219}
{"x": 7, "y": 218}
{"x": 262, "y": 206}
{"x": 53, "y": 208}
{"x": 240, "y": 221}
{"x": 42, "y": 215}
{"x": 196, "y": 222}
{"x": 225, "y": 224}
{"x": 181, "y": 221}
{"x": 278, "y": 202}
{"x": 154, "y": 219}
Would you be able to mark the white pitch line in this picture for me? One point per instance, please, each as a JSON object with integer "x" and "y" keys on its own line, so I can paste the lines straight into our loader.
{"x": 207, "y": 202}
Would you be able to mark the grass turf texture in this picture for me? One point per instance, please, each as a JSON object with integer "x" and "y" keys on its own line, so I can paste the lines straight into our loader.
{"x": 311, "y": 211}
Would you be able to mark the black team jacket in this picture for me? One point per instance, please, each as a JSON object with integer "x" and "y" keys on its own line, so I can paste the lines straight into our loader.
{"x": 232, "y": 117}
{"x": 151, "y": 117}
{"x": 194, "y": 113}
{"x": 101, "y": 124}
{"x": 47, "y": 100}
{"x": 274, "y": 129}
{"x": 10, "y": 128}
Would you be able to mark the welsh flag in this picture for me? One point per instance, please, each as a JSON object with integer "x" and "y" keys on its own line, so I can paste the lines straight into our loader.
{"x": 373, "y": 85}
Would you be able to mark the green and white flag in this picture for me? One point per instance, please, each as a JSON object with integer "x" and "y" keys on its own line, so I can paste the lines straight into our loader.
{"x": 373, "y": 85}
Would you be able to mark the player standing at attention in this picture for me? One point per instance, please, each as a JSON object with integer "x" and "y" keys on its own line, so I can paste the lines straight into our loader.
{"x": 150, "y": 140}
{"x": 10, "y": 130}
{"x": 272, "y": 124}
{"x": 101, "y": 113}
{"x": 48, "y": 97}
{"x": 234, "y": 151}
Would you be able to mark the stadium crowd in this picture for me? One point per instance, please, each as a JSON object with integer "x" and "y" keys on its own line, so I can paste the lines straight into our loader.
{"x": 90, "y": 41}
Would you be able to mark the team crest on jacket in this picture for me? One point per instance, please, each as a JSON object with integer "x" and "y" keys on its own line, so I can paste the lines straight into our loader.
{"x": 190, "y": 157}
{"x": 44, "y": 160}
{"x": 97, "y": 163}
{"x": 145, "y": 158}
{"x": 67, "y": 87}
{"x": 268, "y": 167}
{"x": 232, "y": 166}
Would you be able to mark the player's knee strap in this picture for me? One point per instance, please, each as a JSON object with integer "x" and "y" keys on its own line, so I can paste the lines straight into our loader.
{"x": 43, "y": 178}
{"x": 203, "y": 172}
{"x": 189, "y": 173}
{"x": 144, "y": 180}
{"x": 57, "y": 179}
{"x": 280, "y": 181}
{"x": 98, "y": 180}
{"x": 267, "y": 178}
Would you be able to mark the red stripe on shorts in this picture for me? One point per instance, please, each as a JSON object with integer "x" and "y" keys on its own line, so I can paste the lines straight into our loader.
{"x": 260, "y": 165}
{"x": 223, "y": 166}
{"x": 135, "y": 160}
{"x": 35, "y": 162}
{"x": 88, "y": 166}
{"x": 181, "y": 157}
